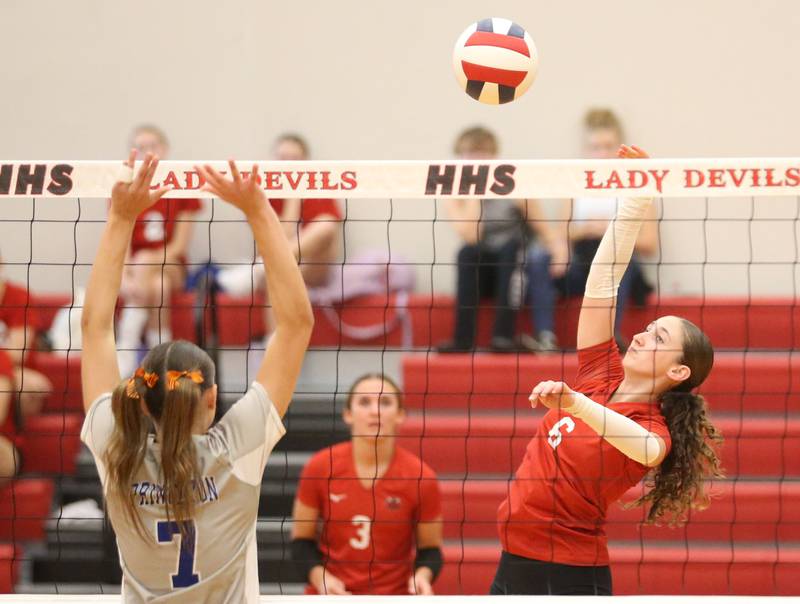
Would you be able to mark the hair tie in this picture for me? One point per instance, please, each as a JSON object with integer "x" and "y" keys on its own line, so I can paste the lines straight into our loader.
{"x": 130, "y": 389}
{"x": 174, "y": 376}
{"x": 150, "y": 377}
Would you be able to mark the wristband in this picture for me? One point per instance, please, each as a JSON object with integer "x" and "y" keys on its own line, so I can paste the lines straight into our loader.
{"x": 306, "y": 556}
{"x": 429, "y": 557}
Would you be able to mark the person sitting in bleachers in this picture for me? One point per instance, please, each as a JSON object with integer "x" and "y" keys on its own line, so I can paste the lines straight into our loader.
{"x": 364, "y": 505}
{"x": 312, "y": 226}
{"x": 587, "y": 219}
{"x": 494, "y": 235}
{"x": 156, "y": 263}
{"x": 19, "y": 327}
{"x": 9, "y": 432}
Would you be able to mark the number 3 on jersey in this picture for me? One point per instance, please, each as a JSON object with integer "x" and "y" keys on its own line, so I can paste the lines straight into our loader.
{"x": 554, "y": 435}
{"x": 363, "y": 525}
{"x": 166, "y": 531}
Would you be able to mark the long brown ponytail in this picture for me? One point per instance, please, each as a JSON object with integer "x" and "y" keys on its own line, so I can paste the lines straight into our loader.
{"x": 171, "y": 398}
{"x": 678, "y": 484}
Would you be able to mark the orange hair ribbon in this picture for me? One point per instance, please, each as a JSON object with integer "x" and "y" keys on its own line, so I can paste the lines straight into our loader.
{"x": 148, "y": 377}
{"x": 174, "y": 376}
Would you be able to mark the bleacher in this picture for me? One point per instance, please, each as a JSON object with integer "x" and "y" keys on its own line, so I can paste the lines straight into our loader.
{"x": 470, "y": 420}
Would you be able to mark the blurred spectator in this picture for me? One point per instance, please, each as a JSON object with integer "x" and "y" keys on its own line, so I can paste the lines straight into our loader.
{"x": 313, "y": 226}
{"x": 495, "y": 234}
{"x": 156, "y": 263}
{"x": 9, "y": 432}
{"x": 587, "y": 219}
{"x": 19, "y": 330}
{"x": 362, "y": 506}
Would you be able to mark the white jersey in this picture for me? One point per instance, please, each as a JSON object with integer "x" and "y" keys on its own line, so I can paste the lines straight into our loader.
{"x": 221, "y": 565}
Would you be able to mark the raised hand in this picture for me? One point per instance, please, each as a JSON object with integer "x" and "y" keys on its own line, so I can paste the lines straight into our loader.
{"x": 553, "y": 395}
{"x": 244, "y": 193}
{"x": 131, "y": 198}
{"x": 631, "y": 152}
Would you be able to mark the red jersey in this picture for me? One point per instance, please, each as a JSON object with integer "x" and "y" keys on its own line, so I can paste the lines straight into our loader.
{"x": 367, "y": 534}
{"x": 16, "y": 311}
{"x": 155, "y": 227}
{"x": 557, "y": 503}
{"x": 310, "y": 209}
{"x": 8, "y": 425}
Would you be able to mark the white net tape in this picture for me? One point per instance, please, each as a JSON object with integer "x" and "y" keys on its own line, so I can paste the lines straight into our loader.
{"x": 445, "y": 178}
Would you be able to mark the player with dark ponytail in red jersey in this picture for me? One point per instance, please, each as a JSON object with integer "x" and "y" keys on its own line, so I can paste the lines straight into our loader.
{"x": 367, "y": 516}
{"x": 621, "y": 421}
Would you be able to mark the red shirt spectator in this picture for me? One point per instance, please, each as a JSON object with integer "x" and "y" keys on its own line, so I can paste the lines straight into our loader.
{"x": 310, "y": 209}
{"x": 8, "y": 421}
{"x": 155, "y": 227}
{"x": 367, "y": 539}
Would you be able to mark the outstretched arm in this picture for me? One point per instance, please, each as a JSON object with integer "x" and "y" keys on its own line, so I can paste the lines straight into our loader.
{"x": 99, "y": 369}
{"x": 294, "y": 320}
{"x": 596, "y": 322}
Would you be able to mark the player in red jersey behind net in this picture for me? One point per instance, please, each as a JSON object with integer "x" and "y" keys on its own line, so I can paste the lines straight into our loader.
{"x": 362, "y": 505}
{"x": 156, "y": 265}
{"x": 621, "y": 421}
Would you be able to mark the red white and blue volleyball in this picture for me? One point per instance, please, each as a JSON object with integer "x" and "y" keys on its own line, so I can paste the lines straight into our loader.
{"x": 495, "y": 61}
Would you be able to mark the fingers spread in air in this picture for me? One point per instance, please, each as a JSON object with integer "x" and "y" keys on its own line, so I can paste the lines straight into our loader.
{"x": 151, "y": 172}
{"x": 131, "y": 159}
{"x": 237, "y": 178}
{"x": 141, "y": 175}
{"x": 212, "y": 177}
{"x": 155, "y": 196}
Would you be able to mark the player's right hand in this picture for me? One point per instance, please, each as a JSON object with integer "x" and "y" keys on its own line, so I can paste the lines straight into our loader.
{"x": 244, "y": 193}
{"x": 553, "y": 395}
{"x": 131, "y": 198}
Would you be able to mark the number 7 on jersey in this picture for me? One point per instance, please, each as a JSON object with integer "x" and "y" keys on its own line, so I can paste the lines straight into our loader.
{"x": 165, "y": 532}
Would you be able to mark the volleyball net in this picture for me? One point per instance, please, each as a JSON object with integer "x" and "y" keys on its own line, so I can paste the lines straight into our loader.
{"x": 724, "y": 255}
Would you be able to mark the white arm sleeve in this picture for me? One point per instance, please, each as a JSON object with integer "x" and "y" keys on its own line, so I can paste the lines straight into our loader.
{"x": 616, "y": 248}
{"x": 630, "y": 438}
{"x": 247, "y": 434}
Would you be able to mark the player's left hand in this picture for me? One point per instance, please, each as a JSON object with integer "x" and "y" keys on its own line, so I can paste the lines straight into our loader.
{"x": 129, "y": 199}
{"x": 419, "y": 584}
{"x": 553, "y": 395}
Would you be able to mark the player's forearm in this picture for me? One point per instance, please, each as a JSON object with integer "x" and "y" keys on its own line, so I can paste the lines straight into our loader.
{"x": 287, "y": 291}
{"x": 616, "y": 248}
{"x": 624, "y": 434}
{"x": 104, "y": 281}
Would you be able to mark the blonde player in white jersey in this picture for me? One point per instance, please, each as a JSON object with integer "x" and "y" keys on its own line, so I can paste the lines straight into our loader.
{"x": 183, "y": 498}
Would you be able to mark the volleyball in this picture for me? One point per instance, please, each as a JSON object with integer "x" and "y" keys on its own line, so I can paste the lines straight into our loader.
{"x": 495, "y": 61}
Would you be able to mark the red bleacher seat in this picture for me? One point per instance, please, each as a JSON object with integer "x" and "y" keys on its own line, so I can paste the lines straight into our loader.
{"x": 464, "y": 445}
{"x": 740, "y": 511}
{"x": 24, "y": 508}
{"x": 51, "y": 443}
{"x": 730, "y": 322}
{"x": 9, "y": 567}
{"x": 64, "y": 372}
{"x": 651, "y": 568}
{"x": 739, "y": 382}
